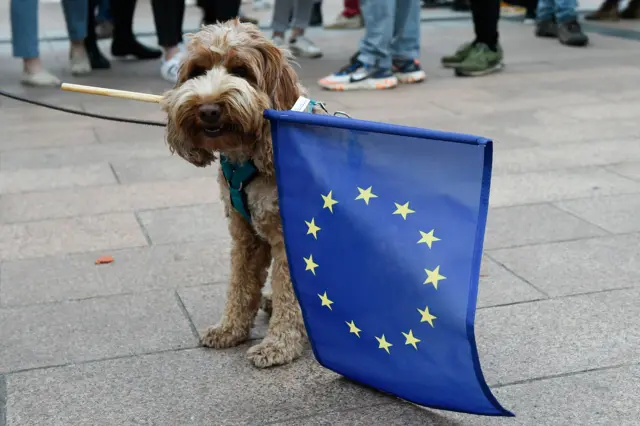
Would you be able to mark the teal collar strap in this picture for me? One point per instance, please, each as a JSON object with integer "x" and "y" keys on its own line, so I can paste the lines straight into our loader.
{"x": 238, "y": 177}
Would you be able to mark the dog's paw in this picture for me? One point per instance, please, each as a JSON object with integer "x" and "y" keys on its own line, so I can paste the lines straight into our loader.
{"x": 220, "y": 337}
{"x": 273, "y": 351}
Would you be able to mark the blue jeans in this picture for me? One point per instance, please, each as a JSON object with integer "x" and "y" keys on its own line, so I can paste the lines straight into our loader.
{"x": 392, "y": 31}
{"x": 562, "y": 10}
{"x": 104, "y": 11}
{"x": 24, "y": 24}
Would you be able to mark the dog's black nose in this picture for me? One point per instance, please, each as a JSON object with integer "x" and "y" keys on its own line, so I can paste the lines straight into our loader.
{"x": 210, "y": 114}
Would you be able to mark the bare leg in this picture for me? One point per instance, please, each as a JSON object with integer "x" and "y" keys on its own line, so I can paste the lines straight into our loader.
{"x": 287, "y": 335}
{"x": 250, "y": 259}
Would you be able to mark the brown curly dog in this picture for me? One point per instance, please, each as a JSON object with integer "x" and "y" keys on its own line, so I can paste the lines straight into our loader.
{"x": 231, "y": 73}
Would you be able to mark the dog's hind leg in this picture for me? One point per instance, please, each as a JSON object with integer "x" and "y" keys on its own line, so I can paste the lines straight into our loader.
{"x": 287, "y": 335}
{"x": 250, "y": 260}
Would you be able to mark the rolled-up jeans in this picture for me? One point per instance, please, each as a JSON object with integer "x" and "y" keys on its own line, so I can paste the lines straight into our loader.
{"x": 392, "y": 31}
{"x": 24, "y": 24}
{"x": 561, "y": 10}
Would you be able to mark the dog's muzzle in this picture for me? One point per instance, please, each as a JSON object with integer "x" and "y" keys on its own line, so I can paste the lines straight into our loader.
{"x": 210, "y": 117}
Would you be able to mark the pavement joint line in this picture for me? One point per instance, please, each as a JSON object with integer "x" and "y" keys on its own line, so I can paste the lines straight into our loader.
{"x": 570, "y": 213}
{"x": 562, "y": 297}
{"x": 607, "y": 168}
{"x": 3, "y": 400}
{"x": 567, "y": 240}
{"x": 512, "y": 272}
{"x": 115, "y": 174}
{"x": 567, "y": 374}
{"x": 187, "y": 316}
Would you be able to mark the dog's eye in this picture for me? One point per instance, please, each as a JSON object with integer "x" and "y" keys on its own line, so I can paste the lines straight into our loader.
{"x": 241, "y": 72}
{"x": 196, "y": 72}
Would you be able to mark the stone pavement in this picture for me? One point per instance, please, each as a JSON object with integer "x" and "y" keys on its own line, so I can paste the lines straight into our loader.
{"x": 558, "y": 322}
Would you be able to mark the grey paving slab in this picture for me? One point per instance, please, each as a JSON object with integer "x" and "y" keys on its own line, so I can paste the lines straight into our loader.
{"x": 574, "y": 132}
{"x": 533, "y": 224}
{"x": 559, "y": 336}
{"x": 604, "y": 111}
{"x": 71, "y": 332}
{"x": 205, "y": 305}
{"x": 598, "y": 398}
{"x": 81, "y": 154}
{"x": 25, "y": 180}
{"x": 630, "y": 170}
{"x": 55, "y": 134}
{"x": 156, "y": 169}
{"x": 74, "y": 235}
{"x": 191, "y": 387}
{"x": 498, "y": 286}
{"x": 539, "y": 187}
{"x": 73, "y": 277}
{"x": 577, "y": 266}
{"x": 617, "y": 213}
{"x": 541, "y": 158}
{"x": 107, "y": 133}
{"x": 108, "y": 199}
{"x": 190, "y": 223}
{"x": 397, "y": 414}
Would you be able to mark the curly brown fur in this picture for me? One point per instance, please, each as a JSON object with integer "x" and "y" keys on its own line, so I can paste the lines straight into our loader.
{"x": 234, "y": 67}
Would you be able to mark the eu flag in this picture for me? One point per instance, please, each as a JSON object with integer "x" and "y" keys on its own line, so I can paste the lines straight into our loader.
{"x": 384, "y": 227}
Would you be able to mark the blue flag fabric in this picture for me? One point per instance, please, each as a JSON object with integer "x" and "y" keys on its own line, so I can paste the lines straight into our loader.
{"x": 384, "y": 227}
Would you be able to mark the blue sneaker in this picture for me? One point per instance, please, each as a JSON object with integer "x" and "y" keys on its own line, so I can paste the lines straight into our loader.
{"x": 358, "y": 76}
{"x": 408, "y": 71}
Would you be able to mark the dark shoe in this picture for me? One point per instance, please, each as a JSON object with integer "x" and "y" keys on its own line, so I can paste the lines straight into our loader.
{"x": 460, "y": 6}
{"x": 608, "y": 11}
{"x": 122, "y": 48}
{"x": 632, "y": 11}
{"x": 248, "y": 20}
{"x": 408, "y": 71}
{"x": 96, "y": 58}
{"x": 571, "y": 34}
{"x": 547, "y": 28}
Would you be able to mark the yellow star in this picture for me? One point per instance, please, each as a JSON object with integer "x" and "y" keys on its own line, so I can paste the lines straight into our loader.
{"x": 403, "y": 210}
{"x": 313, "y": 229}
{"x": 434, "y": 276}
{"x": 411, "y": 339}
{"x": 426, "y": 316}
{"x": 311, "y": 265}
{"x": 325, "y": 301}
{"x": 366, "y": 195}
{"x": 353, "y": 329}
{"x": 383, "y": 344}
{"x": 328, "y": 201}
{"x": 429, "y": 238}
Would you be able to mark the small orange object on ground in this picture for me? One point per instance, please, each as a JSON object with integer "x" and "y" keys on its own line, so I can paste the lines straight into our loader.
{"x": 104, "y": 259}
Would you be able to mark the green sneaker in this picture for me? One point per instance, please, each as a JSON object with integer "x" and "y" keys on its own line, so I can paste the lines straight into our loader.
{"x": 481, "y": 61}
{"x": 456, "y": 59}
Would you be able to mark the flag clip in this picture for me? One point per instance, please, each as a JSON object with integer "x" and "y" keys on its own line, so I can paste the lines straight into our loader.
{"x": 306, "y": 105}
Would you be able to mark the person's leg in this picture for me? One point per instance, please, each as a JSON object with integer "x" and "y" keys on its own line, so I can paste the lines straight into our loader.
{"x": 124, "y": 42}
{"x": 608, "y": 11}
{"x": 76, "y": 13}
{"x": 298, "y": 43}
{"x": 168, "y": 16}
{"x": 484, "y": 55}
{"x": 568, "y": 28}
{"x": 351, "y": 8}
{"x": 280, "y": 19}
{"x": 371, "y": 69}
{"x": 24, "y": 40}
{"x": 405, "y": 46}
{"x": 96, "y": 58}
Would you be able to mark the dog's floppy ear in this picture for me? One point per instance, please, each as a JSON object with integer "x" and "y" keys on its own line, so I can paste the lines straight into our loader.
{"x": 281, "y": 81}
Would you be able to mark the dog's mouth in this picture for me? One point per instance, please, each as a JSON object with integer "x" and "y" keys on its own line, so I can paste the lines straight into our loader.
{"x": 213, "y": 132}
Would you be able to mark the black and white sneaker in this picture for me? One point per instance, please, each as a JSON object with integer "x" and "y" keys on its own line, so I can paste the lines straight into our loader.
{"x": 358, "y": 76}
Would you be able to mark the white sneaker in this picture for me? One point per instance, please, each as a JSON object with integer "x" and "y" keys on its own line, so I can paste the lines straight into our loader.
{"x": 344, "y": 23}
{"x": 79, "y": 62}
{"x": 303, "y": 47}
{"x": 261, "y": 5}
{"x": 279, "y": 41}
{"x": 42, "y": 78}
{"x": 169, "y": 69}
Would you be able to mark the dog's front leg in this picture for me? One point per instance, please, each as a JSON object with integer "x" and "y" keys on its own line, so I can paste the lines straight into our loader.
{"x": 287, "y": 335}
{"x": 250, "y": 260}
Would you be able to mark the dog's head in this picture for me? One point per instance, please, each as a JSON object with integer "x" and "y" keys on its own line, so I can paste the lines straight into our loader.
{"x": 230, "y": 74}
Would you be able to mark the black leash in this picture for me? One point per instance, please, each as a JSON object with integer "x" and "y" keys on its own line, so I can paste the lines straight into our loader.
{"x": 77, "y": 112}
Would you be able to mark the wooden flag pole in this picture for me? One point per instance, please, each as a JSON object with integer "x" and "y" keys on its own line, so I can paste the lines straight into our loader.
{"x": 123, "y": 94}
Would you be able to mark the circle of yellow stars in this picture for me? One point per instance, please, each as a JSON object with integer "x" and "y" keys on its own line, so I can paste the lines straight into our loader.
{"x": 433, "y": 275}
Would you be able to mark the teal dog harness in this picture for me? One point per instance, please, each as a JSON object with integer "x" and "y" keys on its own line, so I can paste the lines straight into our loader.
{"x": 238, "y": 176}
